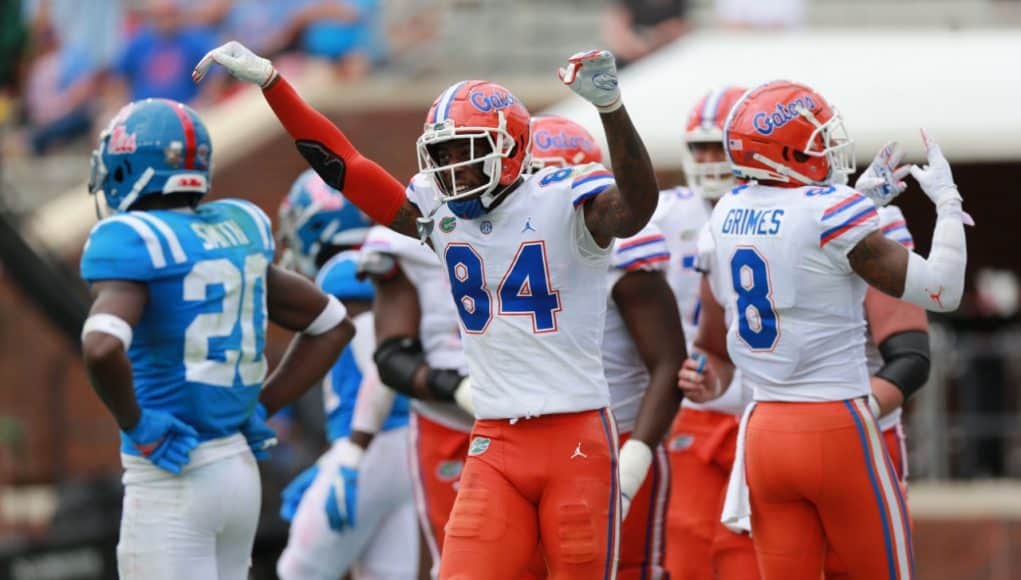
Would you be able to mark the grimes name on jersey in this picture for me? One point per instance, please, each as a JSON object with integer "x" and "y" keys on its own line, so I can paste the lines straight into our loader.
{"x": 752, "y": 222}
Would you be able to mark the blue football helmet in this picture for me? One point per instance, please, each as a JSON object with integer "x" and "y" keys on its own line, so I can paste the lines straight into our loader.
{"x": 151, "y": 147}
{"x": 313, "y": 216}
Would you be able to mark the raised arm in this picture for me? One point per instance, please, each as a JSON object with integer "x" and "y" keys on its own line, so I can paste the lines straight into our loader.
{"x": 319, "y": 141}
{"x": 625, "y": 209}
{"x": 935, "y": 283}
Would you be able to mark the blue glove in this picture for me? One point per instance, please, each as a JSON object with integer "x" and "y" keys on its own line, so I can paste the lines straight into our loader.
{"x": 163, "y": 440}
{"x": 292, "y": 494}
{"x": 259, "y": 435}
{"x": 343, "y": 496}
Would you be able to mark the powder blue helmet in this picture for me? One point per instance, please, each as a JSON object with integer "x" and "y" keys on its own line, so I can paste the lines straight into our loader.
{"x": 314, "y": 215}
{"x": 151, "y": 147}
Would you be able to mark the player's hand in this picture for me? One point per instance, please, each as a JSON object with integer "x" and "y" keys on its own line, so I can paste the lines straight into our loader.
{"x": 463, "y": 396}
{"x": 343, "y": 496}
{"x": 163, "y": 439}
{"x": 259, "y": 435}
{"x": 697, "y": 380}
{"x": 935, "y": 178}
{"x": 593, "y": 76}
{"x": 290, "y": 498}
{"x": 241, "y": 63}
{"x": 883, "y": 179}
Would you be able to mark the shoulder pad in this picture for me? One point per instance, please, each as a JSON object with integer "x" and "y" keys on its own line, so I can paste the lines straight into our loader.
{"x": 130, "y": 246}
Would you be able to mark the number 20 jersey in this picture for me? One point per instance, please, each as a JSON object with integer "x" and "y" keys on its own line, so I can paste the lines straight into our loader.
{"x": 197, "y": 352}
{"x": 529, "y": 284}
{"x": 778, "y": 256}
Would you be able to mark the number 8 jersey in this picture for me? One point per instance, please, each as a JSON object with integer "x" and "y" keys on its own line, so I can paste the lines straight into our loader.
{"x": 529, "y": 284}
{"x": 778, "y": 257}
{"x": 197, "y": 352}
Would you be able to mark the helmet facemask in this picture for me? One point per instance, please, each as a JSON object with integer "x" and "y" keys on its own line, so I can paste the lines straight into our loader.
{"x": 711, "y": 179}
{"x": 486, "y": 145}
{"x": 830, "y": 140}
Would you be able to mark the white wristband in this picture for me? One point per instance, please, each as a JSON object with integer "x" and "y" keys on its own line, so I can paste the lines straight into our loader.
{"x": 109, "y": 324}
{"x": 635, "y": 459}
{"x": 333, "y": 314}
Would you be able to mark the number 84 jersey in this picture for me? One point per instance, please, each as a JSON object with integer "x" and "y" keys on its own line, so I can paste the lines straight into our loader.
{"x": 197, "y": 352}
{"x": 529, "y": 286}
{"x": 778, "y": 258}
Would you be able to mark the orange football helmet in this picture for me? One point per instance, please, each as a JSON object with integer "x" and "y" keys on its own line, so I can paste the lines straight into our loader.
{"x": 560, "y": 142}
{"x": 480, "y": 112}
{"x": 705, "y": 126}
{"x": 786, "y": 132}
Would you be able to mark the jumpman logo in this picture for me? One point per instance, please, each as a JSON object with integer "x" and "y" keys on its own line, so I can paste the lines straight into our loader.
{"x": 528, "y": 225}
{"x": 578, "y": 452}
{"x": 936, "y": 297}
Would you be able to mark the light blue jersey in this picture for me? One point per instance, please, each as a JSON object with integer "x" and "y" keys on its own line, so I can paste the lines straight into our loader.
{"x": 197, "y": 352}
{"x": 345, "y": 379}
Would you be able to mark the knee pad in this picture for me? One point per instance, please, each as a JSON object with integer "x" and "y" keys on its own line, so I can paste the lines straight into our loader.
{"x": 474, "y": 516}
{"x": 576, "y": 533}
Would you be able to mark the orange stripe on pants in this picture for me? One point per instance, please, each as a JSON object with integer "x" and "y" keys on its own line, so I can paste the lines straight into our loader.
{"x": 701, "y": 449}
{"x": 819, "y": 476}
{"x": 552, "y": 477}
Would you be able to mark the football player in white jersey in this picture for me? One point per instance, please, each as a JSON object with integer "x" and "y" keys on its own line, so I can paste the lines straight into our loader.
{"x": 704, "y": 435}
{"x": 791, "y": 253}
{"x": 640, "y": 359}
{"x": 419, "y": 353}
{"x": 527, "y": 257}
{"x": 897, "y": 349}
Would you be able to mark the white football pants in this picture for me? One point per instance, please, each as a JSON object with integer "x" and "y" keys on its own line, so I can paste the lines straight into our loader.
{"x": 199, "y": 524}
{"x": 383, "y": 545}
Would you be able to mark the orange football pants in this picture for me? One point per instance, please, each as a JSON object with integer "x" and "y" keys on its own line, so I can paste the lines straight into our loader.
{"x": 643, "y": 531}
{"x": 701, "y": 449}
{"x": 550, "y": 479}
{"x": 820, "y": 478}
{"x": 437, "y": 465}
{"x": 893, "y": 438}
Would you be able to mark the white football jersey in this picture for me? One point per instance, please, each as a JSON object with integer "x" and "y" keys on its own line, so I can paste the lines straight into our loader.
{"x": 798, "y": 333}
{"x": 529, "y": 284}
{"x": 682, "y": 216}
{"x": 892, "y": 222}
{"x": 438, "y": 327}
{"x": 626, "y": 373}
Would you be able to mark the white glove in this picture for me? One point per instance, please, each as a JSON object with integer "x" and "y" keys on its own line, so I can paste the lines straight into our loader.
{"x": 883, "y": 179}
{"x": 635, "y": 459}
{"x": 593, "y": 76}
{"x": 935, "y": 178}
{"x": 240, "y": 62}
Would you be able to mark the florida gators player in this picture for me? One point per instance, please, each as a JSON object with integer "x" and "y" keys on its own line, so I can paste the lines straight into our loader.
{"x": 897, "y": 349}
{"x": 174, "y": 343}
{"x": 640, "y": 359}
{"x": 527, "y": 258}
{"x": 791, "y": 255}
{"x": 356, "y": 512}
{"x": 704, "y": 435}
{"x": 419, "y": 353}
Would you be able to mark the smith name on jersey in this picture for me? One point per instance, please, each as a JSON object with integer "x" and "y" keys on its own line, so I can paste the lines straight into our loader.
{"x": 197, "y": 352}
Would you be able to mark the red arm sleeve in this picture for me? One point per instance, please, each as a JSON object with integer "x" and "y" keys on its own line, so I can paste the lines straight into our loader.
{"x": 332, "y": 155}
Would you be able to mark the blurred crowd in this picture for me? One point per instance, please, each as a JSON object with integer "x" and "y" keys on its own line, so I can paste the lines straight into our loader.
{"x": 64, "y": 63}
